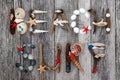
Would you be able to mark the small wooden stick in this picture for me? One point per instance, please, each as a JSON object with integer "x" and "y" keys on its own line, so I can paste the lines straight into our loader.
{"x": 58, "y": 52}
{"x": 12, "y": 18}
{"x": 108, "y": 20}
{"x": 68, "y": 61}
{"x": 52, "y": 27}
{"x": 42, "y": 67}
{"x": 66, "y": 24}
{"x": 95, "y": 17}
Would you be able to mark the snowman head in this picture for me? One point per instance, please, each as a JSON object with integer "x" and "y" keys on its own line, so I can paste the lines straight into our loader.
{"x": 19, "y": 13}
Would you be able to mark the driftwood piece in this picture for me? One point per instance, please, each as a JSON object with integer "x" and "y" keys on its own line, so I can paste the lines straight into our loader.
{"x": 68, "y": 61}
{"x": 108, "y": 20}
{"x": 95, "y": 18}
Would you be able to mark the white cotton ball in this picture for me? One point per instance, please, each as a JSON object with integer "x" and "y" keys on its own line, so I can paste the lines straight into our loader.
{"x": 87, "y": 15}
{"x": 76, "y": 30}
{"x": 89, "y": 27}
{"x": 76, "y": 12}
{"x": 107, "y": 29}
{"x": 108, "y": 15}
{"x": 30, "y": 56}
{"x": 73, "y": 24}
{"x": 81, "y": 31}
{"x": 73, "y": 17}
{"x": 82, "y": 10}
{"x": 30, "y": 68}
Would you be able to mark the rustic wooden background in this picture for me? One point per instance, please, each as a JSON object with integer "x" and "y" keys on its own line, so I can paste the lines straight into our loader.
{"x": 109, "y": 67}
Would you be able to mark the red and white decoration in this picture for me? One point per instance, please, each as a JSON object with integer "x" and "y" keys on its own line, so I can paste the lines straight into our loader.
{"x": 76, "y": 13}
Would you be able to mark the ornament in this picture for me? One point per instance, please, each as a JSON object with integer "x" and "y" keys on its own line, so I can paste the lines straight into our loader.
{"x": 22, "y": 28}
{"x": 19, "y": 13}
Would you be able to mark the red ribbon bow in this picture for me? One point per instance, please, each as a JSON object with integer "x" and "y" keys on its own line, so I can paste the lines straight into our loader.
{"x": 57, "y": 61}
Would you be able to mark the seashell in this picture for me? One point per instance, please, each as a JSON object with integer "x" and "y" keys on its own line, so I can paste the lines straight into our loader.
{"x": 30, "y": 56}
{"x": 76, "y": 29}
{"x": 76, "y": 12}
{"x": 19, "y": 13}
{"x": 108, "y": 29}
{"x": 73, "y": 17}
{"x": 108, "y": 15}
{"x": 22, "y": 28}
{"x": 82, "y": 10}
{"x": 73, "y": 24}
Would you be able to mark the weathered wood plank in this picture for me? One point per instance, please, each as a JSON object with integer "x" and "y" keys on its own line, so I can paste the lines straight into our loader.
{"x": 45, "y": 38}
{"x": 117, "y": 41}
{"x": 106, "y": 67}
{"x": 62, "y": 36}
{"x": 84, "y": 39}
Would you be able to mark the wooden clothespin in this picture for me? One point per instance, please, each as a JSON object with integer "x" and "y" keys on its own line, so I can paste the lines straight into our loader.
{"x": 42, "y": 67}
{"x": 56, "y": 21}
{"x": 68, "y": 61}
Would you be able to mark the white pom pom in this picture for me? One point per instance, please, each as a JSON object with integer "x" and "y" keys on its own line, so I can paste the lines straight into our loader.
{"x": 25, "y": 55}
{"x": 87, "y": 15}
{"x": 82, "y": 10}
{"x": 76, "y": 30}
{"x": 73, "y": 24}
{"x": 108, "y": 15}
{"x": 81, "y": 31}
{"x": 30, "y": 68}
{"x": 76, "y": 12}
{"x": 107, "y": 29}
{"x": 89, "y": 27}
{"x": 73, "y": 17}
{"x": 30, "y": 56}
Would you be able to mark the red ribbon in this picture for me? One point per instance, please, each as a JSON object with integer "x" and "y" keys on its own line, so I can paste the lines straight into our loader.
{"x": 57, "y": 61}
{"x": 72, "y": 56}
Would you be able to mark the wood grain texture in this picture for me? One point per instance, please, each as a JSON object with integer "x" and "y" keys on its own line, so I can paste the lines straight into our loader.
{"x": 108, "y": 67}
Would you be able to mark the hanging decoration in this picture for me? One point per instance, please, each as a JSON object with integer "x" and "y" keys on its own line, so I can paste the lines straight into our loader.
{"x": 42, "y": 68}
{"x": 96, "y": 57}
{"x": 103, "y": 23}
{"x": 59, "y": 18}
{"x": 33, "y": 21}
{"x": 75, "y": 51}
{"x": 26, "y": 55}
{"x": 74, "y": 24}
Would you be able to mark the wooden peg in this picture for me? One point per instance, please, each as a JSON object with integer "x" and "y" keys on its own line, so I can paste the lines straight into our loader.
{"x": 102, "y": 23}
{"x": 68, "y": 61}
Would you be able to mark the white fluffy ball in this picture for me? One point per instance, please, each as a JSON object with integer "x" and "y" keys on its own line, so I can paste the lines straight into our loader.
{"x": 108, "y": 15}
{"x": 73, "y": 24}
{"x": 30, "y": 56}
{"x": 107, "y": 29}
{"x": 76, "y": 30}
{"x": 76, "y": 12}
{"x": 73, "y": 17}
{"x": 82, "y": 10}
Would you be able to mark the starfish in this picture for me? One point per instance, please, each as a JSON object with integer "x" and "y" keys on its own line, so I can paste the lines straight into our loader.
{"x": 32, "y": 22}
{"x": 86, "y": 29}
{"x": 42, "y": 68}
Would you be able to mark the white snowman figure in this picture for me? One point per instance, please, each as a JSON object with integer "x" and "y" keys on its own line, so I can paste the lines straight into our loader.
{"x": 22, "y": 28}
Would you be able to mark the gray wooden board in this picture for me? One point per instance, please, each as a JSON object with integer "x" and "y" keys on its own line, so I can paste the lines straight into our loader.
{"x": 108, "y": 67}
